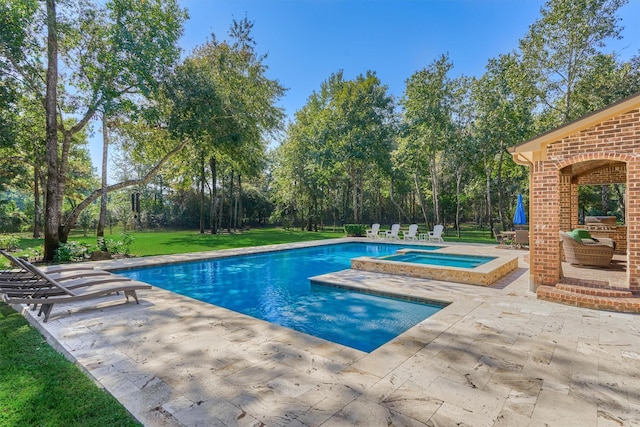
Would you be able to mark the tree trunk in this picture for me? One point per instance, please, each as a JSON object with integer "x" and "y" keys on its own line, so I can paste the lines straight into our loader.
{"x": 202, "y": 178}
{"x": 458, "y": 208}
{"x": 214, "y": 195}
{"x": 378, "y": 217}
{"x": 103, "y": 197}
{"x": 360, "y": 197}
{"x": 335, "y": 209}
{"x": 240, "y": 214}
{"x": 501, "y": 204}
{"x": 53, "y": 199}
{"x": 487, "y": 172}
{"x": 36, "y": 199}
{"x": 235, "y": 212}
{"x": 435, "y": 190}
{"x": 221, "y": 210}
{"x": 354, "y": 195}
{"x": 421, "y": 198}
{"x": 401, "y": 212}
{"x": 230, "y": 224}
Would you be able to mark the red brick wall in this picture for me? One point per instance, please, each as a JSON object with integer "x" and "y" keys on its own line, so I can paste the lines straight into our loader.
{"x": 618, "y": 135}
{"x": 566, "y": 212}
{"x": 633, "y": 222}
{"x": 612, "y": 175}
{"x": 545, "y": 223}
{"x": 554, "y": 196}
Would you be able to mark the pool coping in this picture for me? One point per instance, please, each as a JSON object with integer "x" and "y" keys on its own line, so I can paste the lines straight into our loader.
{"x": 494, "y": 356}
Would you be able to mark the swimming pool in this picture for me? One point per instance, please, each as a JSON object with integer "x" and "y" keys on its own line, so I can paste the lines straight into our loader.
{"x": 275, "y": 287}
{"x": 449, "y": 260}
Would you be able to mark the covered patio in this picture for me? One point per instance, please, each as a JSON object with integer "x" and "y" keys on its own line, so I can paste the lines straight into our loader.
{"x": 599, "y": 149}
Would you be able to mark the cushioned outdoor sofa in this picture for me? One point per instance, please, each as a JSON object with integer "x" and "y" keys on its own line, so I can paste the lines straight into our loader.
{"x": 582, "y": 249}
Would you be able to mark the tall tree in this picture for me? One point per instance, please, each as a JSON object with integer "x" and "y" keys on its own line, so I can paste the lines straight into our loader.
{"x": 228, "y": 104}
{"x": 458, "y": 160}
{"x": 360, "y": 119}
{"x": 561, "y": 48}
{"x": 608, "y": 81}
{"x": 107, "y": 53}
{"x": 503, "y": 119}
{"x": 343, "y": 131}
{"x": 428, "y": 118}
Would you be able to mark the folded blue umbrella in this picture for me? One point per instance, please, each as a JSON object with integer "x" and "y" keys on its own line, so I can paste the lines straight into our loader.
{"x": 520, "y": 217}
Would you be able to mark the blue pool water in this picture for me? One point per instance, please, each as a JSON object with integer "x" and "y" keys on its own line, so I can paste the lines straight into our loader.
{"x": 447, "y": 260}
{"x": 275, "y": 287}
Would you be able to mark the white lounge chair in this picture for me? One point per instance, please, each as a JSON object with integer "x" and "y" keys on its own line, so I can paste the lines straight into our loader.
{"x": 373, "y": 231}
{"x": 436, "y": 234}
{"x": 393, "y": 233}
{"x": 412, "y": 234}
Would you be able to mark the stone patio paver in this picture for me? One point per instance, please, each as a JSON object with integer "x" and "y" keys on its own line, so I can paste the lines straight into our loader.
{"x": 493, "y": 357}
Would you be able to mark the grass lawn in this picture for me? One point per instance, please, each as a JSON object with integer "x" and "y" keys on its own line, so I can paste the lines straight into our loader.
{"x": 147, "y": 243}
{"x": 176, "y": 242}
{"x": 39, "y": 387}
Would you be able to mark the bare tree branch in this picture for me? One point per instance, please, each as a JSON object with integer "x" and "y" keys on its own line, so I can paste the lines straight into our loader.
{"x": 73, "y": 216}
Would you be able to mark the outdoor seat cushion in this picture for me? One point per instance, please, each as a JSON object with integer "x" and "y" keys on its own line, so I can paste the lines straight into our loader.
{"x": 582, "y": 236}
{"x": 579, "y": 234}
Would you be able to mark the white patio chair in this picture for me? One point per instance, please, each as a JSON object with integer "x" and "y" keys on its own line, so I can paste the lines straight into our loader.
{"x": 373, "y": 231}
{"x": 412, "y": 234}
{"x": 393, "y": 233}
{"x": 436, "y": 234}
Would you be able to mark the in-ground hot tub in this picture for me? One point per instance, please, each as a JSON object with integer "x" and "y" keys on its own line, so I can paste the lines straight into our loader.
{"x": 460, "y": 268}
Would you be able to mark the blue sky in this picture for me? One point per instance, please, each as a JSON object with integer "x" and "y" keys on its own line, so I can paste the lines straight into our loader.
{"x": 308, "y": 40}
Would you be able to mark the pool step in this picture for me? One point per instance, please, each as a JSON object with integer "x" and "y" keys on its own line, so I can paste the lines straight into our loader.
{"x": 591, "y": 294}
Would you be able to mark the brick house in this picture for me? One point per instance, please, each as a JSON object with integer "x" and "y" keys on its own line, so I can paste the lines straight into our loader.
{"x": 600, "y": 148}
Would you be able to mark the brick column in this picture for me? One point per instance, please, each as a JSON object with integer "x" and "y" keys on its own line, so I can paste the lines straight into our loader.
{"x": 566, "y": 203}
{"x": 633, "y": 223}
{"x": 545, "y": 223}
{"x": 575, "y": 217}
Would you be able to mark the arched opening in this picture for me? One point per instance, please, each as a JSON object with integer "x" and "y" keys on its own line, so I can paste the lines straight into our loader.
{"x": 600, "y": 149}
{"x": 593, "y": 198}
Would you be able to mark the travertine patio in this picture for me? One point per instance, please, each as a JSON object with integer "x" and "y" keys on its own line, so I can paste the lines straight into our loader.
{"x": 494, "y": 357}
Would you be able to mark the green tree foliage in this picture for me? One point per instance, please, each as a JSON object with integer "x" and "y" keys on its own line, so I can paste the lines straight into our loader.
{"x": 106, "y": 54}
{"x": 563, "y": 47}
{"x": 220, "y": 100}
{"x": 226, "y": 104}
{"x": 608, "y": 81}
{"x": 347, "y": 156}
{"x": 428, "y": 125}
{"x": 341, "y": 136}
{"x": 503, "y": 119}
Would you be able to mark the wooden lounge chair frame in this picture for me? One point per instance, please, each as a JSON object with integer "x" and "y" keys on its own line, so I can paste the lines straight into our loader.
{"x": 55, "y": 292}
{"x": 20, "y": 273}
{"x": 28, "y": 277}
